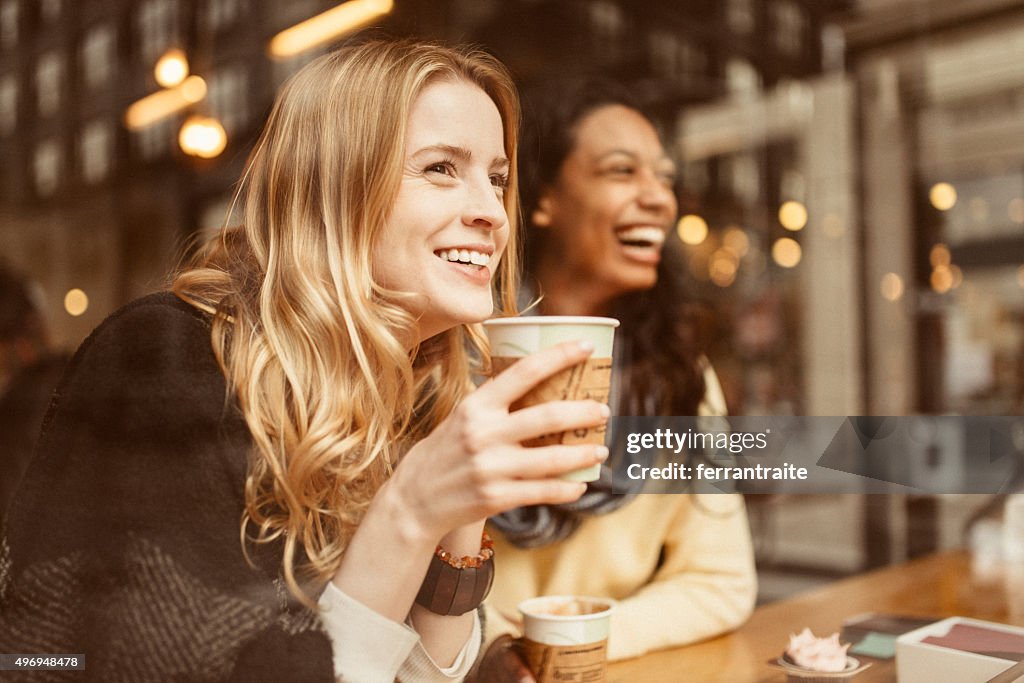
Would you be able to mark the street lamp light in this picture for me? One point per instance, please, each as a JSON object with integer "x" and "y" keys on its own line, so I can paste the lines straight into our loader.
{"x": 164, "y": 103}
{"x": 327, "y": 26}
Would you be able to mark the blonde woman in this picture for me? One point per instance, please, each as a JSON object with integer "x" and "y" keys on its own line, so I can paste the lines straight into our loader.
{"x": 273, "y": 472}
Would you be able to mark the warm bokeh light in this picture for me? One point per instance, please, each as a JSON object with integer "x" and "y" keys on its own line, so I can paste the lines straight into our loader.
{"x": 942, "y": 279}
{"x": 736, "y": 240}
{"x": 793, "y": 215}
{"x": 940, "y": 256}
{"x": 692, "y": 229}
{"x": 892, "y": 287}
{"x": 1020, "y": 277}
{"x": 160, "y": 105}
{"x": 193, "y": 89}
{"x": 942, "y": 196}
{"x": 171, "y": 69}
{"x": 1015, "y": 210}
{"x": 203, "y": 137}
{"x": 722, "y": 267}
{"x": 787, "y": 252}
{"x": 76, "y": 302}
{"x": 327, "y": 26}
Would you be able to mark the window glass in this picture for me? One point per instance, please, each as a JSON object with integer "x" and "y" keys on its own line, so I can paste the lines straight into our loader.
{"x": 790, "y": 25}
{"x": 222, "y": 13}
{"x": 49, "y": 81}
{"x": 95, "y": 150}
{"x": 742, "y": 79}
{"x": 98, "y": 57}
{"x": 50, "y": 9}
{"x": 158, "y": 28}
{"x": 8, "y": 23}
{"x": 46, "y": 167}
{"x": 154, "y": 140}
{"x": 739, "y": 14}
{"x": 8, "y": 104}
{"x": 607, "y": 26}
{"x": 228, "y": 97}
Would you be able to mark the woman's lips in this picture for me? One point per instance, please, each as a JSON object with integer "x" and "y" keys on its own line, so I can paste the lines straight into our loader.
{"x": 477, "y": 257}
{"x": 641, "y": 235}
{"x": 645, "y": 255}
{"x": 641, "y": 243}
{"x": 471, "y": 261}
{"x": 478, "y": 275}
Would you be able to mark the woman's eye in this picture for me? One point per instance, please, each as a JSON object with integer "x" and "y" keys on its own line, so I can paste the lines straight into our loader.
{"x": 500, "y": 181}
{"x": 443, "y": 167}
{"x": 622, "y": 170}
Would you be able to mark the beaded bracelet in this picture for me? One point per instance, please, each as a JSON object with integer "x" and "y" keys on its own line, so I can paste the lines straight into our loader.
{"x": 456, "y": 585}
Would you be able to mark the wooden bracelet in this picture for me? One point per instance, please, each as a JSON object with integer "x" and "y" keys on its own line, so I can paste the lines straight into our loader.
{"x": 456, "y": 585}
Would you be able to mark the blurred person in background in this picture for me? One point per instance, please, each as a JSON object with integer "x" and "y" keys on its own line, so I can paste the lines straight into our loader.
{"x": 23, "y": 338}
{"x": 598, "y": 199}
{"x": 29, "y": 371}
{"x": 279, "y": 470}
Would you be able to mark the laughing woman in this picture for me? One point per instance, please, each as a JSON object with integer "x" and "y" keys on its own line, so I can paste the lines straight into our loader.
{"x": 598, "y": 196}
{"x": 272, "y": 472}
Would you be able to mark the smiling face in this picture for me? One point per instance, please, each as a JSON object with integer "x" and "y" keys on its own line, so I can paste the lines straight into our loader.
{"x": 448, "y": 227}
{"x": 611, "y": 206}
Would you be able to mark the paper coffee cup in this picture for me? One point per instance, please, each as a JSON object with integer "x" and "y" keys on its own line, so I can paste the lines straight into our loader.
{"x": 565, "y": 637}
{"x": 513, "y": 338}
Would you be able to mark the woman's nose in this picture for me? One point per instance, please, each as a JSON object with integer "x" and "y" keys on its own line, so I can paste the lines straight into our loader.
{"x": 655, "y": 194}
{"x": 484, "y": 207}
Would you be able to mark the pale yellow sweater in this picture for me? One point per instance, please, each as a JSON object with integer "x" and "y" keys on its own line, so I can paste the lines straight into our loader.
{"x": 705, "y": 585}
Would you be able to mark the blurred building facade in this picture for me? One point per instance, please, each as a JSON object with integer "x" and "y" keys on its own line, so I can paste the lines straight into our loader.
{"x": 894, "y": 306}
{"x": 88, "y": 204}
{"x": 943, "y": 152}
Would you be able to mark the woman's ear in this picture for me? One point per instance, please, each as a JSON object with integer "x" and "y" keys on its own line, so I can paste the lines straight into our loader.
{"x": 541, "y": 216}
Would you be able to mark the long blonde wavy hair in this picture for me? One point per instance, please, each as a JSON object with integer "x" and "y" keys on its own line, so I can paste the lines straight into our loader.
{"x": 309, "y": 341}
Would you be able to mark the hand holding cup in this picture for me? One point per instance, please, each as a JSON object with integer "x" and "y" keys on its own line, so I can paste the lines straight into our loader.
{"x": 513, "y": 338}
{"x": 474, "y": 464}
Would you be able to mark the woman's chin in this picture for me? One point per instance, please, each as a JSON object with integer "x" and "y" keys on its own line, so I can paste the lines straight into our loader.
{"x": 638, "y": 283}
{"x": 468, "y": 314}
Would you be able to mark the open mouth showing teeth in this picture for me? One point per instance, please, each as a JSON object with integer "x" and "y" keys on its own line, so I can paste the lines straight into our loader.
{"x": 472, "y": 258}
{"x": 641, "y": 236}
